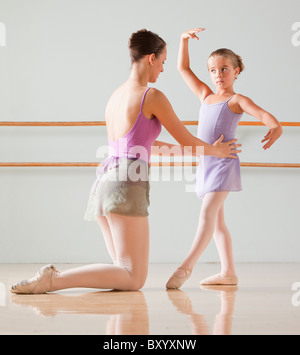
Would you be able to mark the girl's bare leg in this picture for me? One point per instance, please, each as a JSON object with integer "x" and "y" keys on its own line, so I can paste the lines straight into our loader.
{"x": 210, "y": 208}
{"x": 128, "y": 243}
{"x": 209, "y": 211}
{"x": 223, "y": 242}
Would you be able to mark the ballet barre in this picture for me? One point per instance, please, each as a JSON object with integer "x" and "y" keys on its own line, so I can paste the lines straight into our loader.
{"x": 103, "y": 123}
{"x": 152, "y": 164}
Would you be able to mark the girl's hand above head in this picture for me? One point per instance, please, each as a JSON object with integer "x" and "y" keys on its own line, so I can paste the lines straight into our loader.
{"x": 228, "y": 149}
{"x": 272, "y": 136}
{"x": 192, "y": 33}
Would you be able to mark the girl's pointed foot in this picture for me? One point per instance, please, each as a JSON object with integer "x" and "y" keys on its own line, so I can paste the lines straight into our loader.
{"x": 176, "y": 281}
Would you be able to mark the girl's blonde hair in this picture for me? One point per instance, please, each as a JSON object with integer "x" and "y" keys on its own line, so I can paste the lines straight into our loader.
{"x": 236, "y": 60}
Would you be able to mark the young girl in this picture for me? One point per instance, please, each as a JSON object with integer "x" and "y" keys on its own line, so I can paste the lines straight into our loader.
{"x": 220, "y": 111}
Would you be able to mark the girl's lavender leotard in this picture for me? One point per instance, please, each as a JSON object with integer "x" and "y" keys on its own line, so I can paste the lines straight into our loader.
{"x": 122, "y": 184}
{"x": 217, "y": 174}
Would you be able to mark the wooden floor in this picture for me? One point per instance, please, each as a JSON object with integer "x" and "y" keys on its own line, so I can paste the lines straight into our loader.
{"x": 267, "y": 301}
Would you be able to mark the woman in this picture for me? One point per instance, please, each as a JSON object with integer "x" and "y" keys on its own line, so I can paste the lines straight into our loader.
{"x": 118, "y": 200}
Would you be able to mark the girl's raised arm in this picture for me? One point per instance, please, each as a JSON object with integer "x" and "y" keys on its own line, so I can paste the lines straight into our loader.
{"x": 199, "y": 88}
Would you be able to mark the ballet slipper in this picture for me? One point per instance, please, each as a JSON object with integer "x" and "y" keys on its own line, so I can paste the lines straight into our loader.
{"x": 40, "y": 283}
{"x": 219, "y": 280}
{"x": 177, "y": 281}
{"x": 226, "y": 288}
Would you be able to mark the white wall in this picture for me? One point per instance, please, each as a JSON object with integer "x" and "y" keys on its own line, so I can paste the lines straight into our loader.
{"x": 61, "y": 62}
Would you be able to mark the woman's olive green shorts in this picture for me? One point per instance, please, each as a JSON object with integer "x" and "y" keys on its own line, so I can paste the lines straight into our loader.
{"x": 123, "y": 189}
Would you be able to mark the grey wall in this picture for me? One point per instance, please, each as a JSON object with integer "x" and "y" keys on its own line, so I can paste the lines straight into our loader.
{"x": 61, "y": 62}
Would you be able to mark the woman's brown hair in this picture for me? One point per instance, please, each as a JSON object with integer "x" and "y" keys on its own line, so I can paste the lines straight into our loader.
{"x": 145, "y": 42}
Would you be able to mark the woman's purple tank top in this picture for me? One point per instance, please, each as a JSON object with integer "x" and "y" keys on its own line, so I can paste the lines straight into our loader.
{"x": 138, "y": 141}
{"x": 136, "y": 144}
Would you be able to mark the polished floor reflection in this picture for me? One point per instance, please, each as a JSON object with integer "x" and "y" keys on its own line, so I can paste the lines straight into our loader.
{"x": 267, "y": 301}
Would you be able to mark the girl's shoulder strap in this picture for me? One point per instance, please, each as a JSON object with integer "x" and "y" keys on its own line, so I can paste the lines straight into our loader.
{"x": 230, "y": 98}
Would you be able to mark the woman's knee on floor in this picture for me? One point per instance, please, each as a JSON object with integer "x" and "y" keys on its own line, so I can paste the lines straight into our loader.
{"x": 137, "y": 279}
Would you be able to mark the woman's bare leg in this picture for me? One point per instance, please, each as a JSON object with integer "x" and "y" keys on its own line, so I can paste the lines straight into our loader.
{"x": 130, "y": 238}
{"x": 108, "y": 238}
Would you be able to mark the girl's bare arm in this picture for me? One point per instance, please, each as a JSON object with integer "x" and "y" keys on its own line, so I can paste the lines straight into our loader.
{"x": 275, "y": 128}
{"x": 199, "y": 88}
